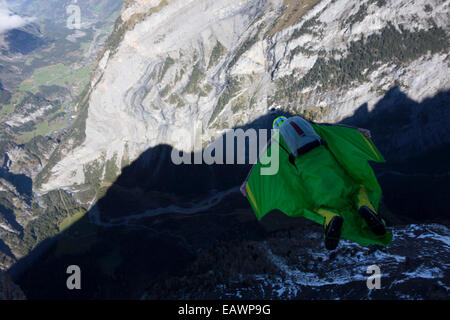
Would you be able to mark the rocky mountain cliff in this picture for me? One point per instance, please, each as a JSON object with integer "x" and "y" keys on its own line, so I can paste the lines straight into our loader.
{"x": 235, "y": 60}
{"x": 170, "y": 65}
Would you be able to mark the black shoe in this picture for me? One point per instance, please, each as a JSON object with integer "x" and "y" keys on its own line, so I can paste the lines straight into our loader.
{"x": 373, "y": 220}
{"x": 333, "y": 233}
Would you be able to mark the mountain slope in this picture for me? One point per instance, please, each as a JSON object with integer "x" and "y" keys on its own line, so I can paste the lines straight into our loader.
{"x": 161, "y": 78}
{"x": 379, "y": 64}
{"x": 44, "y": 66}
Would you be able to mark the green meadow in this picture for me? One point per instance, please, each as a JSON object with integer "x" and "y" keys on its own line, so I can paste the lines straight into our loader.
{"x": 57, "y": 74}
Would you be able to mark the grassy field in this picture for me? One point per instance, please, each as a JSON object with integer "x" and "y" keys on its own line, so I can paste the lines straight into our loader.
{"x": 29, "y": 61}
{"x": 41, "y": 129}
{"x": 293, "y": 11}
{"x": 67, "y": 222}
{"x": 6, "y": 109}
{"x": 57, "y": 74}
{"x": 51, "y": 75}
{"x": 15, "y": 99}
{"x": 81, "y": 235}
{"x": 85, "y": 46}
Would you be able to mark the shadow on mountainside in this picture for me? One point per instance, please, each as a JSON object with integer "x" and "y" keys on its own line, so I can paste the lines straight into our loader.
{"x": 121, "y": 260}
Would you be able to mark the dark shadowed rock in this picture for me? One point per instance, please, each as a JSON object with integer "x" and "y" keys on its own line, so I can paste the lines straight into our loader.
{"x": 9, "y": 290}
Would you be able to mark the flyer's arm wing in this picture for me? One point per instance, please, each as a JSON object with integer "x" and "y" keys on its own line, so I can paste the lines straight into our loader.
{"x": 274, "y": 184}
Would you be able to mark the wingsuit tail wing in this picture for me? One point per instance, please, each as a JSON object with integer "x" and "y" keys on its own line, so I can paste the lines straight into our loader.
{"x": 353, "y": 151}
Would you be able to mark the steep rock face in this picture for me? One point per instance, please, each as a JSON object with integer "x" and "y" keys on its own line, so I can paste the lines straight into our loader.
{"x": 162, "y": 89}
{"x": 232, "y": 61}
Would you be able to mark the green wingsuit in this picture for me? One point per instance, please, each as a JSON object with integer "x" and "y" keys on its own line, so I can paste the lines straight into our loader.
{"x": 334, "y": 177}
